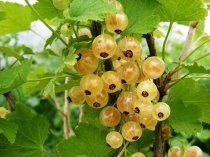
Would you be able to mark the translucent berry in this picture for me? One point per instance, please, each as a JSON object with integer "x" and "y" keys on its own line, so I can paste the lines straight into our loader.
{"x": 129, "y": 72}
{"x": 132, "y": 117}
{"x": 114, "y": 139}
{"x": 161, "y": 111}
{"x": 77, "y": 95}
{"x": 175, "y": 152}
{"x": 84, "y": 31}
{"x": 143, "y": 109}
{"x": 147, "y": 90}
{"x": 87, "y": 63}
{"x": 67, "y": 30}
{"x": 148, "y": 122}
{"x": 138, "y": 155}
{"x": 61, "y": 4}
{"x": 125, "y": 102}
{"x": 112, "y": 81}
{"x": 99, "y": 100}
{"x": 116, "y": 23}
{"x": 194, "y": 151}
{"x": 153, "y": 67}
{"x": 131, "y": 131}
{"x": 110, "y": 116}
{"x": 129, "y": 48}
{"x": 3, "y": 112}
{"x": 104, "y": 46}
{"x": 91, "y": 84}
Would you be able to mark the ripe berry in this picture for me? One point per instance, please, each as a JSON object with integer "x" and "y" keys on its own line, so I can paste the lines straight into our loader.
{"x": 148, "y": 122}
{"x": 175, "y": 152}
{"x": 138, "y": 154}
{"x": 104, "y": 46}
{"x": 153, "y": 67}
{"x": 131, "y": 117}
{"x": 61, "y": 4}
{"x": 143, "y": 109}
{"x": 161, "y": 111}
{"x": 114, "y": 139}
{"x": 77, "y": 95}
{"x": 110, "y": 116}
{"x": 67, "y": 30}
{"x": 129, "y": 72}
{"x": 112, "y": 81}
{"x": 84, "y": 31}
{"x": 131, "y": 131}
{"x": 3, "y": 112}
{"x": 194, "y": 151}
{"x": 98, "y": 100}
{"x": 116, "y": 23}
{"x": 129, "y": 48}
{"x": 125, "y": 102}
{"x": 87, "y": 63}
{"x": 91, "y": 84}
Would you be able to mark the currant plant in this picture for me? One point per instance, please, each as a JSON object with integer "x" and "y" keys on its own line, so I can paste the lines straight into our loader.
{"x": 109, "y": 78}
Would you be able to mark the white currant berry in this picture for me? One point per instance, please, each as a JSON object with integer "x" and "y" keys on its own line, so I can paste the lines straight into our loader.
{"x": 161, "y": 111}
{"x": 114, "y": 139}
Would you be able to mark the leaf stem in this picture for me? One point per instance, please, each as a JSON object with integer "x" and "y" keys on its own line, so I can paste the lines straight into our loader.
{"x": 178, "y": 81}
{"x": 165, "y": 41}
{"x": 201, "y": 57}
{"x": 46, "y": 78}
{"x": 123, "y": 150}
{"x": 41, "y": 19}
{"x": 193, "y": 51}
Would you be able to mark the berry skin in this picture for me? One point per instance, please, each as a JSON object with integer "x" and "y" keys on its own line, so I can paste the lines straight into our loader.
{"x": 153, "y": 67}
{"x": 148, "y": 122}
{"x": 112, "y": 81}
{"x": 98, "y": 101}
{"x": 91, "y": 84}
{"x": 161, "y": 111}
{"x": 125, "y": 102}
{"x": 66, "y": 13}
{"x": 77, "y": 95}
{"x": 110, "y": 116}
{"x": 116, "y": 23}
{"x": 84, "y": 31}
{"x": 128, "y": 72}
{"x": 3, "y": 112}
{"x": 67, "y": 30}
{"x": 132, "y": 117}
{"x": 61, "y": 4}
{"x": 131, "y": 131}
{"x": 104, "y": 46}
{"x": 87, "y": 63}
{"x": 117, "y": 5}
{"x": 129, "y": 49}
{"x": 194, "y": 151}
{"x": 175, "y": 152}
{"x": 114, "y": 139}
{"x": 143, "y": 109}
{"x": 138, "y": 154}
{"x": 147, "y": 90}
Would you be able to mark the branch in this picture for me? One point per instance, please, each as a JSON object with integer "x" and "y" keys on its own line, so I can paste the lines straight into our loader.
{"x": 68, "y": 131}
{"x": 189, "y": 39}
{"x": 151, "y": 43}
{"x": 11, "y": 100}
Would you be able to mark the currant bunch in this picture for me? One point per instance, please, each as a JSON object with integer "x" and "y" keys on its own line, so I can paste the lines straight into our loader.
{"x": 136, "y": 106}
{"x": 193, "y": 151}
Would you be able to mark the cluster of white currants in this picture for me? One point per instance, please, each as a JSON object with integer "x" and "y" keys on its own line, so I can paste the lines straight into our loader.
{"x": 193, "y": 151}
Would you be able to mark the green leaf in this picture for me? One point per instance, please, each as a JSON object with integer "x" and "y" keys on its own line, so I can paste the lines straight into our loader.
{"x": 204, "y": 135}
{"x": 69, "y": 85}
{"x": 9, "y": 129}
{"x": 141, "y": 15}
{"x": 83, "y": 10}
{"x": 17, "y": 19}
{"x": 14, "y": 77}
{"x": 10, "y": 52}
{"x": 71, "y": 59}
{"x": 191, "y": 92}
{"x": 86, "y": 135}
{"x": 185, "y": 119}
{"x": 195, "y": 68}
{"x": 29, "y": 140}
{"x": 182, "y": 10}
{"x": 49, "y": 89}
{"x": 46, "y": 9}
